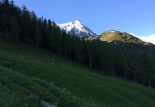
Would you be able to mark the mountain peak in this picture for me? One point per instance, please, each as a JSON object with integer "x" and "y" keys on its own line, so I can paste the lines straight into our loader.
{"x": 77, "y": 28}
{"x": 77, "y": 21}
{"x": 113, "y": 35}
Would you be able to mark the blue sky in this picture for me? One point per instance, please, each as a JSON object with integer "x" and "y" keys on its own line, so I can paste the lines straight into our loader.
{"x": 132, "y": 16}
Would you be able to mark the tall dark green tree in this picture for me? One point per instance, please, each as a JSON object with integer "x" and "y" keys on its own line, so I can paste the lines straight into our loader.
{"x": 147, "y": 70}
{"x": 14, "y": 29}
{"x": 4, "y": 23}
{"x": 26, "y": 25}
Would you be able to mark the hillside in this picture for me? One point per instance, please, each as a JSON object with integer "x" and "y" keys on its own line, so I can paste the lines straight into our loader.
{"x": 31, "y": 77}
{"x": 112, "y": 35}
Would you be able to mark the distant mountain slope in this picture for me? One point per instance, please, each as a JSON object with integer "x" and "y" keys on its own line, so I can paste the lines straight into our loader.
{"x": 150, "y": 39}
{"x": 112, "y": 35}
{"x": 82, "y": 31}
{"x": 77, "y": 28}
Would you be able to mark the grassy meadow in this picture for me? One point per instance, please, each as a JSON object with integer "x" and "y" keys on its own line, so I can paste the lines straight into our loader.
{"x": 29, "y": 76}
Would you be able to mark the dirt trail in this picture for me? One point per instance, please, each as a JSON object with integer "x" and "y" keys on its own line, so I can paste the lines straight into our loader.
{"x": 46, "y": 104}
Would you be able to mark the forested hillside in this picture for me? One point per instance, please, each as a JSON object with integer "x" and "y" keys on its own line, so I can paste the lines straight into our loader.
{"x": 31, "y": 77}
{"x": 127, "y": 61}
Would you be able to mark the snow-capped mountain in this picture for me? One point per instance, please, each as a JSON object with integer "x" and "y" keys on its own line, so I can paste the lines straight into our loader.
{"x": 150, "y": 38}
{"x": 77, "y": 28}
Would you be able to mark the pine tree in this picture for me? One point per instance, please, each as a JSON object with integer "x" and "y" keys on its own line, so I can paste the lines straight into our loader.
{"x": 12, "y": 2}
{"x": 13, "y": 29}
{"x": 38, "y": 39}
{"x": 4, "y": 23}
{"x": 147, "y": 68}
{"x": 6, "y": 2}
{"x": 25, "y": 26}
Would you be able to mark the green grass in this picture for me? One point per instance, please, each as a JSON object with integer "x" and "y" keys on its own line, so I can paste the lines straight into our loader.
{"x": 29, "y": 76}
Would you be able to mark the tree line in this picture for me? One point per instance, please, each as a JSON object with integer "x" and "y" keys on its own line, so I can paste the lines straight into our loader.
{"x": 19, "y": 25}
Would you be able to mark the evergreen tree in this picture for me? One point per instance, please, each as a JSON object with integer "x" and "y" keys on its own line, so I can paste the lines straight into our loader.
{"x": 26, "y": 25}
{"x": 4, "y": 23}
{"x": 13, "y": 29}
{"x": 38, "y": 39}
{"x": 147, "y": 70}
{"x": 6, "y": 2}
{"x": 12, "y": 2}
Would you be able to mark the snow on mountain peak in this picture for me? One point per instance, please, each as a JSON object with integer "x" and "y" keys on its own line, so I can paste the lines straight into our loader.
{"x": 150, "y": 38}
{"x": 77, "y": 21}
{"x": 77, "y": 28}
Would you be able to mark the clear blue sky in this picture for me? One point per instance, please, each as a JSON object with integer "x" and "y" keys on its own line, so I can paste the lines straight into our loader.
{"x": 133, "y": 16}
